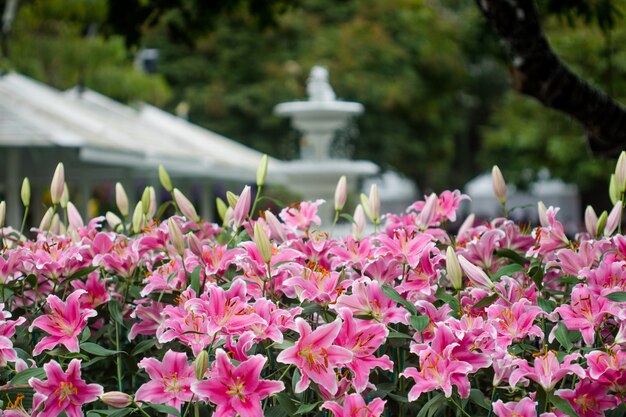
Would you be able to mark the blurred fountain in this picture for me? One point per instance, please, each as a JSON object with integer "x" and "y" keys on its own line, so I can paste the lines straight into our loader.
{"x": 319, "y": 119}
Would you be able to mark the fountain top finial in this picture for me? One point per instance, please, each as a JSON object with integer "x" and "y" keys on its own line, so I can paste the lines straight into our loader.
{"x": 317, "y": 86}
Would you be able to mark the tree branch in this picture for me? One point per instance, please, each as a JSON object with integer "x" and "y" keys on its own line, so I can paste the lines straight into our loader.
{"x": 538, "y": 72}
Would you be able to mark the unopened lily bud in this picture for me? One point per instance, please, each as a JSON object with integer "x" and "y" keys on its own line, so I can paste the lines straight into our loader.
{"x": 277, "y": 229}
{"x": 613, "y": 220}
{"x": 46, "y": 221}
{"x": 242, "y": 208}
{"x": 430, "y": 209}
{"x": 365, "y": 206}
{"x": 185, "y": 206}
{"x": 55, "y": 225}
{"x": 467, "y": 224}
{"x": 359, "y": 221}
{"x": 542, "y": 211}
{"x": 25, "y": 193}
{"x": 341, "y": 193}
{"x": 221, "y": 208}
{"x": 116, "y": 399}
{"x": 232, "y": 199}
{"x": 176, "y": 236}
{"x": 478, "y": 277}
{"x": 65, "y": 197}
{"x": 262, "y": 242}
{"x": 194, "y": 244}
{"x": 614, "y": 193}
{"x": 499, "y": 186}
{"x": 58, "y": 181}
{"x": 138, "y": 218}
{"x": 374, "y": 200}
{"x": 228, "y": 217}
{"x": 3, "y": 212}
{"x": 201, "y": 364}
{"x": 121, "y": 199}
{"x": 74, "y": 217}
{"x": 620, "y": 173}
{"x": 261, "y": 172}
{"x": 601, "y": 223}
{"x": 455, "y": 274}
{"x": 152, "y": 208}
{"x": 113, "y": 220}
{"x": 145, "y": 200}
{"x": 165, "y": 180}
{"x": 591, "y": 221}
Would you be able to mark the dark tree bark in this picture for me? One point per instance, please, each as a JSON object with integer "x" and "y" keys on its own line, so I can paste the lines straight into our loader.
{"x": 538, "y": 72}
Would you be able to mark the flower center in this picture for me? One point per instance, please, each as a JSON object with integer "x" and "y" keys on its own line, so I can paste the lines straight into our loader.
{"x": 236, "y": 388}
{"x": 171, "y": 383}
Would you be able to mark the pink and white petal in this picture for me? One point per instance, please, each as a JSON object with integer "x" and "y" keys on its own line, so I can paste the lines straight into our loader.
{"x": 336, "y": 409}
{"x": 249, "y": 406}
{"x": 152, "y": 391}
{"x": 267, "y": 388}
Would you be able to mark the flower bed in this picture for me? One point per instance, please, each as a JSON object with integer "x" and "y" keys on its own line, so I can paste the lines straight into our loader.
{"x": 270, "y": 316}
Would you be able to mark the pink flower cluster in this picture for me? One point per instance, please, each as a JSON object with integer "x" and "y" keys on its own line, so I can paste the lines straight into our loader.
{"x": 274, "y": 313}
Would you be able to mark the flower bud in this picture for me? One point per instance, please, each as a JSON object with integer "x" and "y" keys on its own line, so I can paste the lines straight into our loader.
{"x": 374, "y": 200}
{"x": 613, "y": 220}
{"x": 121, "y": 199}
{"x": 359, "y": 222}
{"x": 145, "y": 200}
{"x": 591, "y": 221}
{"x": 242, "y": 208}
{"x": 499, "y": 186}
{"x": 601, "y": 223}
{"x": 138, "y": 218}
{"x": 113, "y": 220}
{"x": 176, "y": 236}
{"x": 194, "y": 244}
{"x": 58, "y": 181}
{"x": 25, "y": 193}
{"x": 261, "y": 172}
{"x": 341, "y": 193}
{"x": 276, "y": 228}
{"x": 73, "y": 216}
{"x": 165, "y": 180}
{"x": 478, "y": 277}
{"x": 221, "y": 208}
{"x": 232, "y": 199}
{"x": 3, "y": 212}
{"x": 116, "y": 399}
{"x": 46, "y": 221}
{"x": 428, "y": 212}
{"x": 467, "y": 224}
{"x": 262, "y": 242}
{"x": 620, "y": 173}
{"x": 152, "y": 204}
{"x": 185, "y": 206}
{"x": 55, "y": 225}
{"x": 455, "y": 275}
{"x": 65, "y": 197}
{"x": 614, "y": 193}
{"x": 542, "y": 211}
{"x": 201, "y": 364}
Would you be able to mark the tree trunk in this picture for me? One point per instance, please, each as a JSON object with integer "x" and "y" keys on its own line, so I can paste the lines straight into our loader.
{"x": 538, "y": 72}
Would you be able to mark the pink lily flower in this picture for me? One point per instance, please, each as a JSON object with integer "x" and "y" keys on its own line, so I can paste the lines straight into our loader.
{"x": 368, "y": 299}
{"x": 303, "y": 216}
{"x": 7, "y": 331}
{"x": 64, "y": 323}
{"x": 526, "y": 407}
{"x": 546, "y": 370}
{"x": 62, "y": 391}
{"x": 170, "y": 380}
{"x": 608, "y": 368}
{"x": 515, "y": 322}
{"x": 237, "y": 390}
{"x": 407, "y": 247}
{"x": 316, "y": 355}
{"x": 589, "y": 399}
{"x": 354, "y": 406}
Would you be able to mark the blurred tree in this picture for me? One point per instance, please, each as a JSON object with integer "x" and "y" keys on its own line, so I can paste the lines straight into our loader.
{"x": 57, "y": 41}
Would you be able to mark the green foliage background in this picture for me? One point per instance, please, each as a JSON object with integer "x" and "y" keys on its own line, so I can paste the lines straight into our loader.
{"x": 431, "y": 75}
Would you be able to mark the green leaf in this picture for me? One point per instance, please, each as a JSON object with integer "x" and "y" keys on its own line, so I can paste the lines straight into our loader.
{"x": 286, "y": 403}
{"x": 512, "y": 255}
{"x": 562, "y": 337}
{"x": 307, "y": 408}
{"x": 85, "y": 335}
{"x": 478, "y": 398}
{"x": 121, "y": 413}
{"x": 26, "y": 374}
{"x": 546, "y": 305}
{"x": 486, "y": 301}
{"x": 435, "y": 402}
{"x": 394, "y": 295}
{"x": 162, "y": 408}
{"x": 143, "y": 346}
{"x": 83, "y": 272}
{"x": 283, "y": 345}
{"x": 195, "y": 280}
{"x": 562, "y": 405}
{"x": 399, "y": 398}
{"x": 397, "y": 335}
{"x": 619, "y": 296}
{"x": 347, "y": 217}
{"x": 276, "y": 411}
{"x": 420, "y": 322}
{"x": 536, "y": 273}
{"x": 116, "y": 312}
{"x": 507, "y": 270}
{"x": 97, "y": 350}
